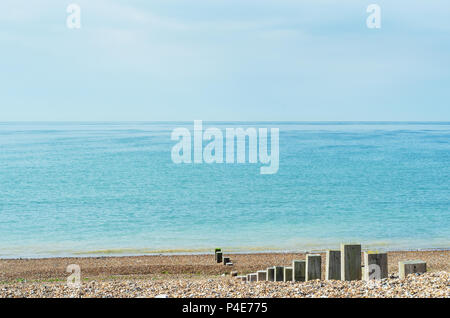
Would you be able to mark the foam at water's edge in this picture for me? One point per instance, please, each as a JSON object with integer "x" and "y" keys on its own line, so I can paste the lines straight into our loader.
{"x": 231, "y": 250}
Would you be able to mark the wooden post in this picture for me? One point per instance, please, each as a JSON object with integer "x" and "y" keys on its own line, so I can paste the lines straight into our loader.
{"x": 226, "y": 260}
{"x": 313, "y": 267}
{"x": 215, "y": 253}
{"x": 410, "y": 267}
{"x": 299, "y": 270}
{"x": 219, "y": 257}
{"x": 243, "y": 278}
{"x": 350, "y": 261}
{"x": 262, "y": 275}
{"x": 271, "y": 274}
{"x": 333, "y": 265}
{"x": 279, "y": 273}
{"x": 251, "y": 277}
{"x": 288, "y": 274}
{"x": 375, "y": 265}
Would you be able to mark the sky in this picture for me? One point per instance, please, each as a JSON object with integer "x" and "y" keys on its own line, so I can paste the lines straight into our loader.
{"x": 224, "y": 60}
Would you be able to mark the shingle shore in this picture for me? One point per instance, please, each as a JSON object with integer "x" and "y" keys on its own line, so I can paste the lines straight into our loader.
{"x": 200, "y": 276}
{"x": 426, "y": 285}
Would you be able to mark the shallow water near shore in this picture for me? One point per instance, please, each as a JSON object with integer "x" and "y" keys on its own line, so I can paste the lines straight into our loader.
{"x": 74, "y": 189}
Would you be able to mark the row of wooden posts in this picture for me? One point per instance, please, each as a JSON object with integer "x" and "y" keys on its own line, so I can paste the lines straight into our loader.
{"x": 343, "y": 264}
{"x": 220, "y": 259}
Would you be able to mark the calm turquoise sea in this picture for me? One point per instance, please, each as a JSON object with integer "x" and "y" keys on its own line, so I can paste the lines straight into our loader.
{"x": 112, "y": 189}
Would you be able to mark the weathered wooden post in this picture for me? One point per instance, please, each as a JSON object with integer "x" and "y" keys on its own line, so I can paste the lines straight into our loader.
{"x": 410, "y": 267}
{"x": 251, "y": 277}
{"x": 333, "y": 265}
{"x": 271, "y": 274}
{"x": 313, "y": 267}
{"x": 288, "y": 274}
{"x": 262, "y": 275}
{"x": 279, "y": 273}
{"x": 219, "y": 257}
{"x": 375, "y": 265}
{"x": 298, "y": 271}
{"x": 242, "y": 278}
{"x": 215, "y": 253}
{"x": 350, "y": 261}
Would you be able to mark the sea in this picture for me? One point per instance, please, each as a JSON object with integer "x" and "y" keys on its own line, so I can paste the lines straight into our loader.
{"x": 112, "y": 188}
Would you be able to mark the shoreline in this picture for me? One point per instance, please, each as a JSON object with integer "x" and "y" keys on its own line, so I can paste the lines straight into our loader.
{"x": 205, "y": 252}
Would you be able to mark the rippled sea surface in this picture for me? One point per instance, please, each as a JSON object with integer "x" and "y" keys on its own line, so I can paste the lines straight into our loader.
{"x": 112, "y": 189}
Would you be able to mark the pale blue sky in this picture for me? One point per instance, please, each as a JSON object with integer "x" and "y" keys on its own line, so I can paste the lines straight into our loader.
{"x": 225, "y": 60}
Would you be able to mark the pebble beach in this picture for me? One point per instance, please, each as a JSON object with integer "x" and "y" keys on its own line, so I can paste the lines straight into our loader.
{"x": 200, "y": 276}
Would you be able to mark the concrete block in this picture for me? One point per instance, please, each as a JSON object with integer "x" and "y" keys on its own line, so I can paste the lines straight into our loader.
{"x": 262, "y": 275}
{"x": 333, "y": 265}
{"x": 288, "y": 274}
{"x": 271, "y": 274}
{"x": 279, "y": 273}
{"x": 375, "y": 265}
{"x": 411, "y": 267}
{"x": 313, "y": 267}
{"x": 350, "y": 261}
{"x": 298, "y": 271}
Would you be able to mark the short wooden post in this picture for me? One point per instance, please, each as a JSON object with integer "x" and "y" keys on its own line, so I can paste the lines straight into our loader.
{"x": 333, "y": 265}
{"x": 279, "y": 273}
{"x": 313, "y": 267}
{"x": 215, "y": 253}
{"x": 262, "y": 275}
{"x": 219, "y": 257}
{"x": 242, "y": 278}
{"x": 299, "y": 270}
{"x": 226, "y": 260}
{"x": 288, "y": 274}
{"x": 375, "y": 265}
{"x": 410, "y": 267}
{"x": 251, "y": 277}
{"x": 350, "y": 261}
{"x": 271, "y": 274}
